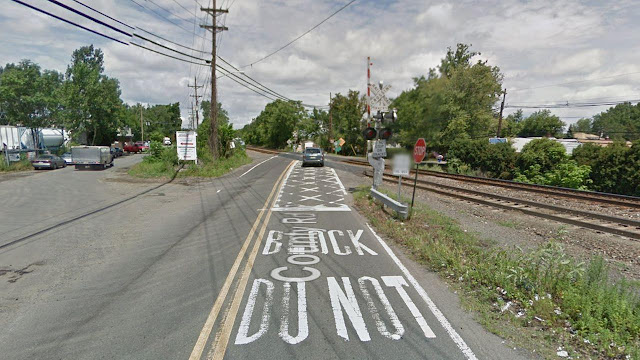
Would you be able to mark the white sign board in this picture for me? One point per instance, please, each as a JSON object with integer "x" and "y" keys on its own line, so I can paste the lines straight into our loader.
{"x": 378, "y": 100}
{"x": 380, "y": 149}
{"x": 401, "y": 165}
{"x": 186, "y": 145}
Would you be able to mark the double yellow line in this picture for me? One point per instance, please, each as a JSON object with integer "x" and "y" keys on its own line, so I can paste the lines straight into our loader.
{"x": 226, "y": 324}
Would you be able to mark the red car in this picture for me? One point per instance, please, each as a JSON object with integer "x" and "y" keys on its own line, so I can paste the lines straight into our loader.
{"x": 143, "y": 145}
{"x": 132, "y": 148}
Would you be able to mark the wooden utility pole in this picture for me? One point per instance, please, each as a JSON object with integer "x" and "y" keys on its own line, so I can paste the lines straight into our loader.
{"x": 330, "y": 120}
{"x": 214, "y": 28}
{"x": 504, "y": 96}
{"x": 141, "y": 124}
{"x": 195, "y": 87}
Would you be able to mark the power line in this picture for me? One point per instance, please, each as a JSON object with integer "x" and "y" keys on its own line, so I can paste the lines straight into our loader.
{"x": 103, "y": 14}
{"x": 572, "y": 105}
{"x": 168, "y": 48}
{"x": 303, "y": 34}
{"x": 88, "y": 17}
{"x": 69, "y": 22}
{"x": 189, "y": 11}
{"x": 173, "y": 42}
{"x": 167, "y": 55}
{"x": 578, "y": 82}
{"x": 168, "y": 11}
{"x": 165, "y": 18}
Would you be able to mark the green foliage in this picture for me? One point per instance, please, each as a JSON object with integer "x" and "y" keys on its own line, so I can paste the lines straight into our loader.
{"x": 616, "y": 169}
{"x": 29, "y": 96}
{"x": 541, "y": 123}
{"x": 275, "y": 124}
{"x": 91, "y": 99}
{"x": 347, "y": 111}
{"x": 23, "y": 165}
{"x": 565, "y": 174}
{"x": 543, "y": 152}
{"x": 586, "y": 154}
{"x": 218, "y": 167}
{"x": 495, "y": 160}
{"x": 455, "y": 102}
{"x": 544, "y": 283}
{"x": 621, "y": 122}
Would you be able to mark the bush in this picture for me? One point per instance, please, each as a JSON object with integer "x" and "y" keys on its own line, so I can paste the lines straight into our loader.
{"x": 494, "y": 160}
{"x": 616, "y": 169}
{"x": 544, "y": 152}
{"x": 566, "y": 174}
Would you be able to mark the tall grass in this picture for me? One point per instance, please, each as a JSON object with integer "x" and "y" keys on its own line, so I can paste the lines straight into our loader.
{"x": 545, "y": 285}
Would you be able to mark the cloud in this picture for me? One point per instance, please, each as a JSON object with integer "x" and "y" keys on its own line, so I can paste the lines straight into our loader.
{"x": 538, "y": 42}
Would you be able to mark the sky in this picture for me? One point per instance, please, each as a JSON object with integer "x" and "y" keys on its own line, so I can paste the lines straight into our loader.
{"x": 584, "y": 45}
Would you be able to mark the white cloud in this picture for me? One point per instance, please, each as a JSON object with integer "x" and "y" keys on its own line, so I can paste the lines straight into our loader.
{"x": 535, "y": 43}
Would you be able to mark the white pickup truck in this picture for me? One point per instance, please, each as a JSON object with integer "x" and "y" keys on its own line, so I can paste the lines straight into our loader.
{"x": 91, "y": 157}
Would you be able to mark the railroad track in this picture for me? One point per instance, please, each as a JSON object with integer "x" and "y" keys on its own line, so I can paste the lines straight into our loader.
{"x": 596, "y": 197}
{"x": 590, "y": 220}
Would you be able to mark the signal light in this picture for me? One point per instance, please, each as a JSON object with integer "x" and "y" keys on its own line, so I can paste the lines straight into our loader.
{"x": 369, "y": 133}
{"x": 385, "y": 134}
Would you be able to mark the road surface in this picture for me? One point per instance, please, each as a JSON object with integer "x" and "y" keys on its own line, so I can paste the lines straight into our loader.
{"x": 268, "y": 262}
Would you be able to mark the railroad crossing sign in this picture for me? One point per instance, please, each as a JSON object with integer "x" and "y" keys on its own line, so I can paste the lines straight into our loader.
{"x": 378, "y": 100}
{"x": 419, "y": 151}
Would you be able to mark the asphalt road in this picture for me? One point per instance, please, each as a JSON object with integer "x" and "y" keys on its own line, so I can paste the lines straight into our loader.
{"x": 268, "y": 262}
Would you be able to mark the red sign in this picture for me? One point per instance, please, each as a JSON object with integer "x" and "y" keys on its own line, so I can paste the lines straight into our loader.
{"x": 419, "y": 150}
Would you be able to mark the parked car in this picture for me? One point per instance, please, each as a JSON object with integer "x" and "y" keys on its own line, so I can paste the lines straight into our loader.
{"x": 166, "y": 141}
{"x": 312, "y": 156}
{"x": 132, "y": 148}
{"x": 46, "y": 161}
{"x": 143, "y": 145}
{"x": 67, "y": 158}
{"x": 119, "y": 151}
{"x": 95, "y": 157}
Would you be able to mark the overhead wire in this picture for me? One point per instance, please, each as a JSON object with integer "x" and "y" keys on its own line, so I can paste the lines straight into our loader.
{"x": 103, "y": 14}
{"x": 88, "y": 17}
{"x": 163, "y": 17}
{"x": 68, "y": 21}
{"x": 577, "y": 82}
{"x": 300, "y": 36}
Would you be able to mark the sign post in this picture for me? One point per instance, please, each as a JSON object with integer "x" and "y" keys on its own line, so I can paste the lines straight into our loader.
{"x": 186, "y": 145}
{"x": 401, "y": 165}
{"x": 419, "y": 152}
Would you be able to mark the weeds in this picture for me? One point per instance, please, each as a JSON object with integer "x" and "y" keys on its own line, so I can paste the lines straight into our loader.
{"x": 544, "y": 288}
{"x": 23, "y": 165}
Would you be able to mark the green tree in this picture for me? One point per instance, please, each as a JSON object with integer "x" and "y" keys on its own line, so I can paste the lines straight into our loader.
{"x": 347, "y": 111}
{"x": 29, "y": 97}
{"x": 511, "y": 124}
{"x": 494, "y": 160}
{"x": 91, "y": 99}
{"x": 541, "y": 123}
{"x": 621, "y": 122}
{"x": 223, "y": 115}
{"x": 544, "y": 153}
{"x": 454, "y": 102}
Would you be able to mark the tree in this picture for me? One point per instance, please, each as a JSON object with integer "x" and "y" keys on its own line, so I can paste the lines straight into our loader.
{"x": 621, "y": 122}
{"x": 541, "y": 123}
{"x": 347, "y": 111}
{"x": 544, "y": 153}
{"x": 454, "y": 102}
{"x": 223, "y": 115}
{"x": 91, "y": 99}
{"x": 275, "y": 124}
{"x": 512, "y": 124}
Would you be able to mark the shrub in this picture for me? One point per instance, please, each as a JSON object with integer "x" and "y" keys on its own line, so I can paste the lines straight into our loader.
{"x": 495, "y": 160}
{"x": 544, "y": 152}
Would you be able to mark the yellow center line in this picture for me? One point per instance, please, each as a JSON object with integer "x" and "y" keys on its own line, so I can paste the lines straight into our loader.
{"x": 222, "y": 339}
{"x": 198, "y": 348}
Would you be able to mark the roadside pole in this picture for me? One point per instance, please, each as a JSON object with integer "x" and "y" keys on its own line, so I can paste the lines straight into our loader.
{"x": 415, "y": 182}
{"x": 419, "y": 152}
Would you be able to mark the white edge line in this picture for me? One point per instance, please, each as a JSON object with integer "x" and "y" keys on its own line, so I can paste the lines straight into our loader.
{"x": 468, "y": 353}
{"x": 255, "y": 166}
{"x": 339, "y": 182}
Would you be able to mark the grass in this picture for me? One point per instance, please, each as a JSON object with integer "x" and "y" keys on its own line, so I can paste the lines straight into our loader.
{"x": 217, "y": 168}
{"x": 553, "y": 300}
{"x": 22, "y": 165}
{"x": 165, "y": 165}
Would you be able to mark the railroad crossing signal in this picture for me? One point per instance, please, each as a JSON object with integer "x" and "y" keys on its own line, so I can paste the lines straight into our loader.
{"x": 378, "y": 100}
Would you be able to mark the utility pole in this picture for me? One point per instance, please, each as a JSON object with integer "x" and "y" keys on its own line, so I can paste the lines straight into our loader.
{"x": 214, "y": 28}
{"x": 504, "y": 96}
{"x": 141, "y": 124}
{"x": 368, "y": 91}
{"x": 195, "y": 87}
{"x": 330, "y": 121}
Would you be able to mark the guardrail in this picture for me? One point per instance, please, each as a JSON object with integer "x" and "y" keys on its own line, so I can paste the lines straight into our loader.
{"x": 401, "y": 209}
